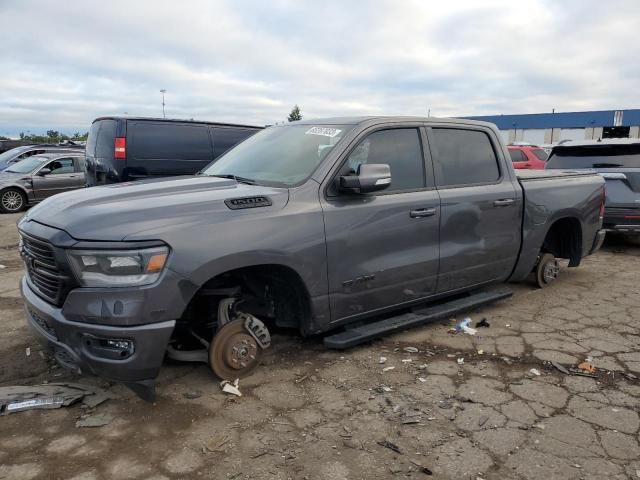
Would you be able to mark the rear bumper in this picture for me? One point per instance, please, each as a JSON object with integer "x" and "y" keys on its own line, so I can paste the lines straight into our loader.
{"x": 83, "y": 347}
{"x": 598, "y": 240}
{"x": 623, "y": 220}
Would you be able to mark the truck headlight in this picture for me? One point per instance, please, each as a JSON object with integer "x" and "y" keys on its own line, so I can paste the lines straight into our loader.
{"x": 118, "y": 268}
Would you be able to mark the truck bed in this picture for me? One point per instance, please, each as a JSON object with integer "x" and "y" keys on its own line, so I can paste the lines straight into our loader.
{"x": 532, "y": 175}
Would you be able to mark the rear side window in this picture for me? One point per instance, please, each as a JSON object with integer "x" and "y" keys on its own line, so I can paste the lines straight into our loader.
{"x": 90, "y": 148}
{"x": 168, "y": 141}
{"x": 595, "y": 156}
{"x": 463, "y": 157}
{"x": 225, "y": 138}
{"x": 517, "y": 156}
{"x": 105, "y": 144}
{"x": 540, "y": 154}
{"x": 400, "y": 149}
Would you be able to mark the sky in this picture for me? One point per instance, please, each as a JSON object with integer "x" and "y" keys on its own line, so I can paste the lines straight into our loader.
{"x": 65, "y": 63}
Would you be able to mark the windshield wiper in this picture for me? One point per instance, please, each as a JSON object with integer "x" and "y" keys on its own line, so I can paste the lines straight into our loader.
{"x": 607, "y": 165}
{"x": 237, "y": 178}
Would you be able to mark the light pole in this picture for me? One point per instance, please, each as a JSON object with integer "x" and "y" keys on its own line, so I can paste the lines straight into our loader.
{"x": 163, "y": 91}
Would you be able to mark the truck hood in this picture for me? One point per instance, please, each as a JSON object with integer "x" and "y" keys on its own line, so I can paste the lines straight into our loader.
{"x": 124, "y": 211}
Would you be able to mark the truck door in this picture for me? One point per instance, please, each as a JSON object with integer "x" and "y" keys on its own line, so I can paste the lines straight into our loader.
{"x": 481, "y": 213}
{"x": 382, "y": 248}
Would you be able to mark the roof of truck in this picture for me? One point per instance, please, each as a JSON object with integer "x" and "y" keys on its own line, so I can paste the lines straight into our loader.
{"x": 181, "y": 120}
{"x": 382, "y": 119}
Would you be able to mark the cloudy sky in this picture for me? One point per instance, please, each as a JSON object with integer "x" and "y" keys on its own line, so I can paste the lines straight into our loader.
{"x": 65, "y": 63}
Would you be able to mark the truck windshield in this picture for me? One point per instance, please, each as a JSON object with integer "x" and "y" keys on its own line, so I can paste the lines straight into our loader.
{"x": 282, "y": 155}
{"x": 597, "y": 156}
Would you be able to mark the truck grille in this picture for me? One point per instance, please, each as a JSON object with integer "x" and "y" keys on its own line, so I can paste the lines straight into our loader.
{"x": 42, "y": 269}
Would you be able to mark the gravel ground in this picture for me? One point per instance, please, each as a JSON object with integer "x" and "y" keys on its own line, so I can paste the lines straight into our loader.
{"x": 310, "y": 413}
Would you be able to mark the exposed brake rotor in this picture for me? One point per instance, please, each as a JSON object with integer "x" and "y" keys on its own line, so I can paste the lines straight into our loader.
{"x": 234, "y": 352}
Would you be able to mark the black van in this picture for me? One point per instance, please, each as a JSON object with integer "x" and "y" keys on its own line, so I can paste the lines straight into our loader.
{"x": 121, "y": 149}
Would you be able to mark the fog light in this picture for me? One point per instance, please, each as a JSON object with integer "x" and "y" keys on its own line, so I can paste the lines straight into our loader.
{"x": 120, "y": 344}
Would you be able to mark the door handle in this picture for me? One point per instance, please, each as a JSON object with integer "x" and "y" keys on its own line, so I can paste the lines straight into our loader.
{"x": 504, "y": 202}
{"x": 422, "y": 212}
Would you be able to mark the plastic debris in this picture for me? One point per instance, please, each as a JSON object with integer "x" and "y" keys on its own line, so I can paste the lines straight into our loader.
{"x": 460, "y": 361}
{"x": 411, "y": 349}
{"x": 463, "y": 326}
{"x": 52, "y": 395}
{"x": 94, "y": 420}
{"x": 508, "y": 325}
{"x": 27, "y": 351}
{"x": 2, "y": 266}
{"x": 560, "y": 368}
{"x": 535, "y": 372}
{"x": 480, "y": 352}
{"x": 406, "y": 360}
{"x": 231, "y": 388}
{"x": 422, "y": 379}
{"x": 386, "y": 369}
{"x": 382, "y": 360}
{"x": 483, "y": 324}
{"x": 587, "y": 367}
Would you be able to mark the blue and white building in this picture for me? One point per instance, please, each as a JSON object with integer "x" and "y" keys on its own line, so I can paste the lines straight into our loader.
{"x": 548, "y": 128}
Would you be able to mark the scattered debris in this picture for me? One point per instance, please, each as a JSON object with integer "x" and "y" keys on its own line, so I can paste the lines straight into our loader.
{"x": 463, "y": 326}
{"x": 390, "y": 446}
{"x": 629, "y": 376}
{"x": 482, "y": 420}
{"x": 215, "y": 443}
{"x": 421, "y": 467}
{"x": 411, "y": 421}
{"x": 587, "y": 367}
{"x": 386, "y": 369}
{"x": 94, "y": 420}
{"x": 382, "y": 360}
{"x": 508, "y": 325}
{"x": 460, "y": 361}
{"x": 483, "y": 324}
{"x": 28, "y": 351}
{"x": 48, "y": 396}
{"x": 480, "y": 352}
{"x": 347, "y": 442}
{"x": 192, "y": 395}
{"x": 560, "y": 368}
{"x": 2, "y": 266}
{"x": 507, "y": 360}
{"x": 406, "y": 360}
{"x": 231, "y": 388}
{"x": 422, "y": 379}
{"x": 411, "y": 349}
{"x": 535, "y": 372}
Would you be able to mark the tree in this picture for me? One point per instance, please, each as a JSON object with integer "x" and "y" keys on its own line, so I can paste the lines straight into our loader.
{"x": 295, "y": 114}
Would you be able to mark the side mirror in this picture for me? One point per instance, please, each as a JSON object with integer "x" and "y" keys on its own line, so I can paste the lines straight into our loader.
{"x": 370, "y": 178}
{"x": 44, "y": 171}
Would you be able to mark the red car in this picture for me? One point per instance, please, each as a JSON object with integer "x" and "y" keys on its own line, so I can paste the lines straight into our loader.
{"x": 528, "y": 157}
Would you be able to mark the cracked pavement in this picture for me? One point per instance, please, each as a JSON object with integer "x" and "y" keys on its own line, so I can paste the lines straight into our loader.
{"x": 310, "y": 413}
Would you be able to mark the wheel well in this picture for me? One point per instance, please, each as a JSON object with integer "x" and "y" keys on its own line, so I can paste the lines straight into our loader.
{"x": 274, "y": 293}
{"x": 564, "y": 240}
{"x": 15, "y": 187}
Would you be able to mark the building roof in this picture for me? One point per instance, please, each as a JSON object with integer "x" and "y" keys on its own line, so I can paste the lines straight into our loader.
{"x": 599, "y": 118}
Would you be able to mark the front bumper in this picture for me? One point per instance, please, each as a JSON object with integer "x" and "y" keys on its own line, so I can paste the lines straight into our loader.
{"x": 83, "y": 346}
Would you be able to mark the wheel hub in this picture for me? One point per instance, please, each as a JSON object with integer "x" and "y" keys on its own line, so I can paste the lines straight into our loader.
{"x": 239, "y": 354}
{"x": 11, "y": 200}
{"x": 551, "y": 271}
{"x": 233, "y": 352}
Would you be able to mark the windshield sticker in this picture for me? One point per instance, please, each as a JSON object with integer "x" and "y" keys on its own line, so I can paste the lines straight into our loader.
{"x": 324, "y": 131}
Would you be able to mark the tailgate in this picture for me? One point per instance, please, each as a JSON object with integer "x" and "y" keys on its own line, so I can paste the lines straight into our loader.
{"x": 623, "y": 187}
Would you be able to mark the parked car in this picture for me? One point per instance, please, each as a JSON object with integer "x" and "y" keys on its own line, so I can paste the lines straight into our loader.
{"x": 313, "y": 225}
{"x": 618, "y": 161}
{"x": 121, "y": 149}
{"x": 26, "y": 151}
{"x": 527, "y": 157}
{"x": 38, "y": 177}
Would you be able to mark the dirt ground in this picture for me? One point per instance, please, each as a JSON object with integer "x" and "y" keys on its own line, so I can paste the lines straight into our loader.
{"x": 310, "y": 413}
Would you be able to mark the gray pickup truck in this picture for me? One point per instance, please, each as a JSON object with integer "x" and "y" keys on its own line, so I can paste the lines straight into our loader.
{"x": 349, "y": 225}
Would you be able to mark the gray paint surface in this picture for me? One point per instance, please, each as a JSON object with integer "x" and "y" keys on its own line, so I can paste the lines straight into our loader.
{"x": 334, "y": 244}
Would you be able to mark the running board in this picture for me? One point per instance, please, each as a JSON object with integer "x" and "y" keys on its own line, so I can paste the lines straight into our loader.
{"x": 356, "y": 335}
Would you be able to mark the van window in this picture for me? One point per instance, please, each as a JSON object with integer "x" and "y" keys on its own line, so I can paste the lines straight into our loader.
{"x": 168, "y": 141}
{"x": 596, "y": 156}
{"x": 90, "y": 148}
{"x": 225, "y": 138}
{"x": 105, "y": 144}
{"x": 463, "y": 157}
